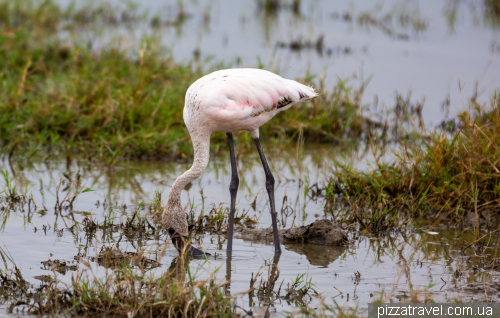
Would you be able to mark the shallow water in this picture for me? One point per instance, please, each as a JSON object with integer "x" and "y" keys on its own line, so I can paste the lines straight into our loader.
{"x": 430, "y": 62}
{"x": 432, "y": 255}
{"x": 428, "y": 48}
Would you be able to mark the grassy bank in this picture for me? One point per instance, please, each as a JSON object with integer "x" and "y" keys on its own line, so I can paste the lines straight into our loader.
{"x": 447, "y": 176}
{"x": 59, "y": 93}
{"x": 63, "y": 95}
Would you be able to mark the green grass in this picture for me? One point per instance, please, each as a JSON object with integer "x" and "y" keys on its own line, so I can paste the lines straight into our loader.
{"x": 65, "y": 96}
{"x": 61, "y": 95}
{"x": 445, "y": 176}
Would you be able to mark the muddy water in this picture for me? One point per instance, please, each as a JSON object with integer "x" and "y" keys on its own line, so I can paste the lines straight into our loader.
{"x": 369, "y": 268}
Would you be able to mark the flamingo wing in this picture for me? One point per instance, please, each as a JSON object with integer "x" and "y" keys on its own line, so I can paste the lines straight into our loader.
{"x": 247, "y": 93}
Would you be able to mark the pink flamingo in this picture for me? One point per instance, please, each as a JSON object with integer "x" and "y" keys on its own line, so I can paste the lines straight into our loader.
{"x": 229, "y": 101}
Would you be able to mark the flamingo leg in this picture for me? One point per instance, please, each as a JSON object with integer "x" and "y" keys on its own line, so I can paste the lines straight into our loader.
{"x": 270, "y": 192}
{"x": 233, "y": 189}
{"x": 274, "y": 270}
{"x": 227, "y": 287}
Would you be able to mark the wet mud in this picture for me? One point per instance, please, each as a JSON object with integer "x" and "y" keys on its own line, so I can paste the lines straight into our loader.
{"x": 110, "y": 257}
{"x": 321, "y": 242}
{"x": 59, "y": 266}
{"x": 319, "y": 232}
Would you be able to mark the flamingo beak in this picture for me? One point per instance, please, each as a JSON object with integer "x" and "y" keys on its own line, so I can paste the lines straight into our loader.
{"x": 182, "y": 245}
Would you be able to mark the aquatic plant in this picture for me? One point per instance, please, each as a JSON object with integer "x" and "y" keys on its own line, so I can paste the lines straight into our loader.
{"x": 447, "y": 176}
{"x": 126, "y": 291}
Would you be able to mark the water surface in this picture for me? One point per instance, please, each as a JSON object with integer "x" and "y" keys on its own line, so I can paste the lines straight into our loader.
{"x": 370, "y": 267}
{"x": 435, "y": 50}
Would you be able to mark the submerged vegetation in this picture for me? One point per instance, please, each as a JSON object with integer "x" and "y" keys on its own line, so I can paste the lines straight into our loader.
{"x": 131, "y": 285}
{"x": 138, "y": 283}
{"x": 124, "y": 292}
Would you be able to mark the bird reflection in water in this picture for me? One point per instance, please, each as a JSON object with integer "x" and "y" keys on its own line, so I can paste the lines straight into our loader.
{"x": 178, "y": 268}
{"x": 272, "y": 277}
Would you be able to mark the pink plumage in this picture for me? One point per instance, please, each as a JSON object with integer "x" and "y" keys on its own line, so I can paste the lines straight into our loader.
{"x": 241, "y": 99}
{"x": 229, "y": 101}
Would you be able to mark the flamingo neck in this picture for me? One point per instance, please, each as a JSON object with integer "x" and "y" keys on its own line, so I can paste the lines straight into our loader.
{"x": 173, "y": 214}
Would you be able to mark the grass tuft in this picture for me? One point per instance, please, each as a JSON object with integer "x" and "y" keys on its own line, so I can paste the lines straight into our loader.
{"x": 449, "y": 175}
{"x": 61, "y": 93}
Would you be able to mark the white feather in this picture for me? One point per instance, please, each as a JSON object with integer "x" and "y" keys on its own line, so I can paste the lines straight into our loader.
{"x": 241, "y": 99}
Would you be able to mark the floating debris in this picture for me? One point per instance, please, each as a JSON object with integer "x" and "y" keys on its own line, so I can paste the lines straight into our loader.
{"x": 59, "y": 266}
{"x": 110, "y": 258}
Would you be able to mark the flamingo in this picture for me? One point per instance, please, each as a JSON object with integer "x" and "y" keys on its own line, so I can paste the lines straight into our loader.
{"x": 228, "y": 101}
